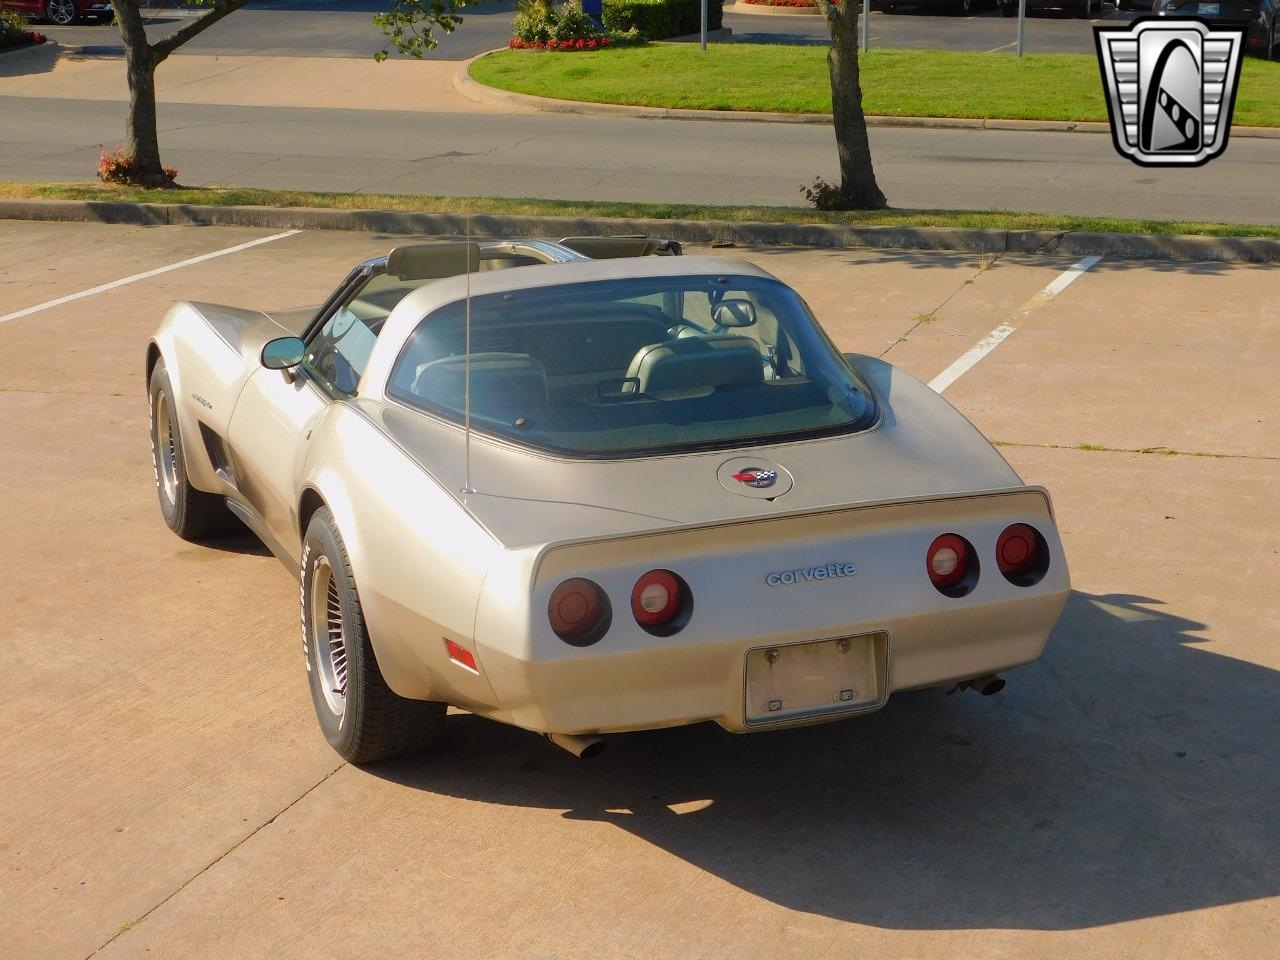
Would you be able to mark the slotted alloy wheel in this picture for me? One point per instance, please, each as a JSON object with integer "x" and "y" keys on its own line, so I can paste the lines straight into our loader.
{"x": 328, "y": 636}
{"x": 166, "y": 450}
{"x": 61, "y": 12}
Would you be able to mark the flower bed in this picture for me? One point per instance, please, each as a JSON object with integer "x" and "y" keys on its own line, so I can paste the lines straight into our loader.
{"x": 22, "y": 39}
{"x": 14, "y": 32}
{"x": 781, "y": 3}
{"x": 595, "y": 43}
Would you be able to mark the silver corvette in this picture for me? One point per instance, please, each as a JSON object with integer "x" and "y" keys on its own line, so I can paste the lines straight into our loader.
{"x": 585, "y": 487}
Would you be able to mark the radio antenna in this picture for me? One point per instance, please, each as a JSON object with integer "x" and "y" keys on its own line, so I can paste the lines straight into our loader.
{"x": 466, "y": 368}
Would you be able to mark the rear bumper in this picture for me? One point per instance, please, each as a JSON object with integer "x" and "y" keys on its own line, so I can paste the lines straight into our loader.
{"x": 675, "y": 684}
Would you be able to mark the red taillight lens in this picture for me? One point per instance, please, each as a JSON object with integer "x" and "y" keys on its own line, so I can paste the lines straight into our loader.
{"x": 948, "y": 560}
{"x": 1022, "y": 554}
{"x": 579, "y": 612}
{"x": 661, "y": 602}
{"x": 655, "y": 599}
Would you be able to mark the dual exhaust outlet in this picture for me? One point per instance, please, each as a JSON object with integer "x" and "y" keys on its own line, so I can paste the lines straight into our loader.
{"x": 586, "y": 747}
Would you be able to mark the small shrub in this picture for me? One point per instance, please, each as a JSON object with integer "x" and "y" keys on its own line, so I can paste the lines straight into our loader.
{"x": 534, "y": 21}
{"x": 118, "y": 167}
{"x": 574, "y": 25}
{"x": 14, "y": 30}
{"x": 659, "y": 19}
{"x": 823, "y": 195}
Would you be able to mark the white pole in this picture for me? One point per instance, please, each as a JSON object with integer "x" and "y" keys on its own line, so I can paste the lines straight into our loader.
{"x": 704, "y": 26}
{"x": 1022, "y": 24}
{"x": 863, "y": 28}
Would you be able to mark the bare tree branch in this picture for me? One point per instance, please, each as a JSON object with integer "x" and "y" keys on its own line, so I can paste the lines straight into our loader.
{"x": 221, "y": 8}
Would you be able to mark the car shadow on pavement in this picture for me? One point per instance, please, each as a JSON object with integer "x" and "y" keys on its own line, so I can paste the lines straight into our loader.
{"x": 1132, "y": 772}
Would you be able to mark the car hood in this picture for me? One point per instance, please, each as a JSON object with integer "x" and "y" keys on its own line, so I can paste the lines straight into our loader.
{"x": 922, "y": 447}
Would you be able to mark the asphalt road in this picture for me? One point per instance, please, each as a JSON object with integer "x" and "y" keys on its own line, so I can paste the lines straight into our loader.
{"x": 166, "y": 793}
{"x": 344, "y": 28}
{"x": 607, "y": 158}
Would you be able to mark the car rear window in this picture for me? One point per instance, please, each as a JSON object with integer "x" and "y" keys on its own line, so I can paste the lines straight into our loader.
{"x": 635, "y": 367}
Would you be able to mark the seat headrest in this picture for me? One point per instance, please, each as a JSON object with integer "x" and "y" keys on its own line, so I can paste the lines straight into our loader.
{"x": 503, "y": 385}
{"x": 693, "y": 363}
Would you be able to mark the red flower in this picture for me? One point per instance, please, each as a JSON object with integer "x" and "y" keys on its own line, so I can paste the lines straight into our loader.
{"x": 582, "y": 44}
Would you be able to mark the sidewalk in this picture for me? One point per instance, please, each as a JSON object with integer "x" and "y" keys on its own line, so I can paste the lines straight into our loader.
{"x": 267, "y": 81}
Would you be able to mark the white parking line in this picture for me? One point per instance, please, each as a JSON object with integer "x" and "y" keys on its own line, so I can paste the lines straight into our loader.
{"x": 969, "y": 359}
{"x": 143, "y": 276}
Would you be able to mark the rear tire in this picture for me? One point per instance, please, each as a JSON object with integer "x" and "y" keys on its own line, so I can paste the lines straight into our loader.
{"x": 361, "y": 717}
{"x": 190, "y": 513}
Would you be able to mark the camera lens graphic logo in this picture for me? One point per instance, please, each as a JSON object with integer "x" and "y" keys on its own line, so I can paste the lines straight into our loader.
{"x": 1171, "y": 88}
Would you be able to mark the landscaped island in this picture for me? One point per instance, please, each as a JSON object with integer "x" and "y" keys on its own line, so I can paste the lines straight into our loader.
{"x": 793, "y": 79}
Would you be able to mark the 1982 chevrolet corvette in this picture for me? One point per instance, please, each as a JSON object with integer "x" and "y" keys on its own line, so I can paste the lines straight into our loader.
{"x": 579, "y": 489}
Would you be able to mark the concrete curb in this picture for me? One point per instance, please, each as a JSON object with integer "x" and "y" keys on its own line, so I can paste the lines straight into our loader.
{"x": 473, "y": 89}
{"x": 1121, "y": 246}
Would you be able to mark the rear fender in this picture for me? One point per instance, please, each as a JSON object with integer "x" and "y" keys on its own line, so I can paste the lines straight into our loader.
{"x": 418, "y": 558}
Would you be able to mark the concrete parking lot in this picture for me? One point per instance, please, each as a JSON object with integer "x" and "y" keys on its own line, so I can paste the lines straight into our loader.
{"x": 167, "y": 793}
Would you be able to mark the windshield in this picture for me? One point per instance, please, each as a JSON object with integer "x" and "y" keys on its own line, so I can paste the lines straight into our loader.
{"x": 629, "y": 367}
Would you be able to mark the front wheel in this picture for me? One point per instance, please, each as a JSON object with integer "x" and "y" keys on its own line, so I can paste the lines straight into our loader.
{"x": 61, "y": 12}
{"x": 361, "y": 717}
{"x": 190, "y": 513}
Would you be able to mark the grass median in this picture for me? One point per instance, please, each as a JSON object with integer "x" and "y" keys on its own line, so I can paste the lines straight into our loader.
{"x": 499, "y": 206}
{"x": 793, "y": 79}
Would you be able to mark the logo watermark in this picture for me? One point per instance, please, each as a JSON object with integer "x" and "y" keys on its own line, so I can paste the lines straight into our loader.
{"x": 1171, "y": 87}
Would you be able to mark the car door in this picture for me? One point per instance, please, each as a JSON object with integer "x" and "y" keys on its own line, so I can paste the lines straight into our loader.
{"x": 273, "y": 420}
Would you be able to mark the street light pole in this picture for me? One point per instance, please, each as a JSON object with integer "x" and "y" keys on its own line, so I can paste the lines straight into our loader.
{"x": 1022, "y": 24}
{"x": 863, "y": 29}
{"x": 704, "y": 26}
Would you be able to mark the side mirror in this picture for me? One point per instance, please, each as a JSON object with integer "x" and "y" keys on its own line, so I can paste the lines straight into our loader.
{"x": 283, "y": 353}
{"x": 734, "y": 312}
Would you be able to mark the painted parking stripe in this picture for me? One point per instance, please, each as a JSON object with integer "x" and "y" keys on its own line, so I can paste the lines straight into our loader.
{"x": 969, "y": 359}
{"x": 48, "y": 304}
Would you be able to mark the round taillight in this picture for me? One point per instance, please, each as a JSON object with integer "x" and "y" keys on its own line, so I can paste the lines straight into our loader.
{"x": 579, "y": 612}
{"x": 661, "y": 602}
{"x": 952, "y": 564}
{"x": 1022, "y": 555}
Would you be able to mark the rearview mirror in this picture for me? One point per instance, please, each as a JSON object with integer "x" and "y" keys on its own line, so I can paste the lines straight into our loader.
{"x": 283, "y": 353}
{"x": 734, "y": 312}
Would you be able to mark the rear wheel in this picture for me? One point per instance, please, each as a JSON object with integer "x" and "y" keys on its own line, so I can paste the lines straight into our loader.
{"x": 1085, "y": 9}
{"x": 361, "y": 717}
{"x": 190, "y": 513}
{"x": 61, "y": 12}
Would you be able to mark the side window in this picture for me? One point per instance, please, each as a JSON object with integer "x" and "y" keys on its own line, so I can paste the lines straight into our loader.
{"x": 339, "y": 351}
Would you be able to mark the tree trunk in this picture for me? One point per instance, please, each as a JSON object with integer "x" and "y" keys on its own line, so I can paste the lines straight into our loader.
{"x": 141, "y": 140}
{"x": 858, "y": 188}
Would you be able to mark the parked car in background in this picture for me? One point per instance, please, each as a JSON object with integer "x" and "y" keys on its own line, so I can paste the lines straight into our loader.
{"x": 63, "y": 13}
{"x": 1139, "y": 5}
{"x": 1081, "y": 8}
{"x": 1257, "y": 17}
{"x": 960, "y": 8}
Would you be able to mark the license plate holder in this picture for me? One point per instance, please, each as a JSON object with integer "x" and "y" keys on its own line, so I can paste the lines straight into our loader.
{"x": 816, "y": 679}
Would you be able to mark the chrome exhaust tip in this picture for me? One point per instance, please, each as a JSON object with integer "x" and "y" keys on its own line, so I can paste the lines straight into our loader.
{"x": 584, "y": 748}
{"x": 988, "y": 686}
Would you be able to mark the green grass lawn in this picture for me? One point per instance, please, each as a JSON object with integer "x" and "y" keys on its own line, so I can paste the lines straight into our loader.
{"x": 417, "y": 203}
{"x": 793, "y": 79}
